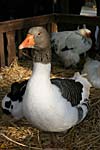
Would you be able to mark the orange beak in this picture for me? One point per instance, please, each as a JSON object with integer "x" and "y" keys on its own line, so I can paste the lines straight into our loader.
{"x": 28, "y": 42}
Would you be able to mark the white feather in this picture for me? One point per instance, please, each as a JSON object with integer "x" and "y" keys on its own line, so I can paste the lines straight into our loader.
{"x": 15, "y": 108}
{"x": 92, "y": 69}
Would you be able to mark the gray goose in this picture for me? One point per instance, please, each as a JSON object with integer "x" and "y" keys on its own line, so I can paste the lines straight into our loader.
{"x": 69, "y": 45}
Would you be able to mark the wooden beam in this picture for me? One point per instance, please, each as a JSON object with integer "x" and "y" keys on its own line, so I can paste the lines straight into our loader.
{"x": 19, "y": 24}
{"x": 77, "y": 19}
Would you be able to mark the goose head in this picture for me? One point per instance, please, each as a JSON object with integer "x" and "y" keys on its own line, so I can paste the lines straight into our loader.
{"x": 85, "y": 32}
{"x": 39, "y": 40}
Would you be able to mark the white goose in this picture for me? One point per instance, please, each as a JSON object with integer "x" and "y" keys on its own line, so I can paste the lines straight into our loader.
{"x": 52, "y": 105}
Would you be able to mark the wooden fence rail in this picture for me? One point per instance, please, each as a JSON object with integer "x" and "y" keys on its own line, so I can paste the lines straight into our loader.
{"x": 8, "y": 30}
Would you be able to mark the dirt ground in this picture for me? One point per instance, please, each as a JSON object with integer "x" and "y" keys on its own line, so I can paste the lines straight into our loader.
{"x": 20, "y": 135}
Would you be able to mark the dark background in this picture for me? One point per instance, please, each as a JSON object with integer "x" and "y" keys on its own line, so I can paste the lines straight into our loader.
{"x": 13, "y": 9}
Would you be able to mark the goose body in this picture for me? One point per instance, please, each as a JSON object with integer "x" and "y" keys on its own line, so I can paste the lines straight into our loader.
{"x": 92, "y": 69}
{"x": 68, "y": 45}
{"x": 12, "y": 102}
{"x": 52, "y": 105}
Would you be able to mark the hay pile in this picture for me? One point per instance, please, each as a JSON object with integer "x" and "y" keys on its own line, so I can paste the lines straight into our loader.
{"x": 19, "y": 135}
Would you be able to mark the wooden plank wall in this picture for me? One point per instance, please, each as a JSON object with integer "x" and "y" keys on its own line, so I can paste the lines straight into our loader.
{"x": 8, "y": 30}
{"x": 7, "y": 35}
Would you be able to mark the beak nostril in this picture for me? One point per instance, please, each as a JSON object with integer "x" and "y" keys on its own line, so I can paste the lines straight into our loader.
{"x": 27, "y": 41}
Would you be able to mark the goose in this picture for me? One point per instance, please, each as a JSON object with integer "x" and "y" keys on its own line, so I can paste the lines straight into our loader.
{"x": 52, "y": 105}
{"x": 12, "y": 102}
{"x": 69, "y": 45}
{"x": 92, "y": 69}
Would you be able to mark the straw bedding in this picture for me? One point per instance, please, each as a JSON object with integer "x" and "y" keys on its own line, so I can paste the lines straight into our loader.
{"x": 20, "y": 135}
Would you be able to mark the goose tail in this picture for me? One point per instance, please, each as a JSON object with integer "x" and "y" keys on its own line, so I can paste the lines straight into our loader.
{"x": 83, "y": 107}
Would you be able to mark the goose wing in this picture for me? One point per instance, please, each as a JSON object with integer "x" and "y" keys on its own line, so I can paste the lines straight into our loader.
{"x": 70, "y": 89}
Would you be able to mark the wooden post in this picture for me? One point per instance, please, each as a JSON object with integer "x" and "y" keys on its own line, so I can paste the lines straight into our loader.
{"x": 11, "y": 47}
{"x": 52, "y": 27}
{"x": 2, "y": 55}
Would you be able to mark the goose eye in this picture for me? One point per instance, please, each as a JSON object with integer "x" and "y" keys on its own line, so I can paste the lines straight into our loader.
{"x": 39, "y": 33}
